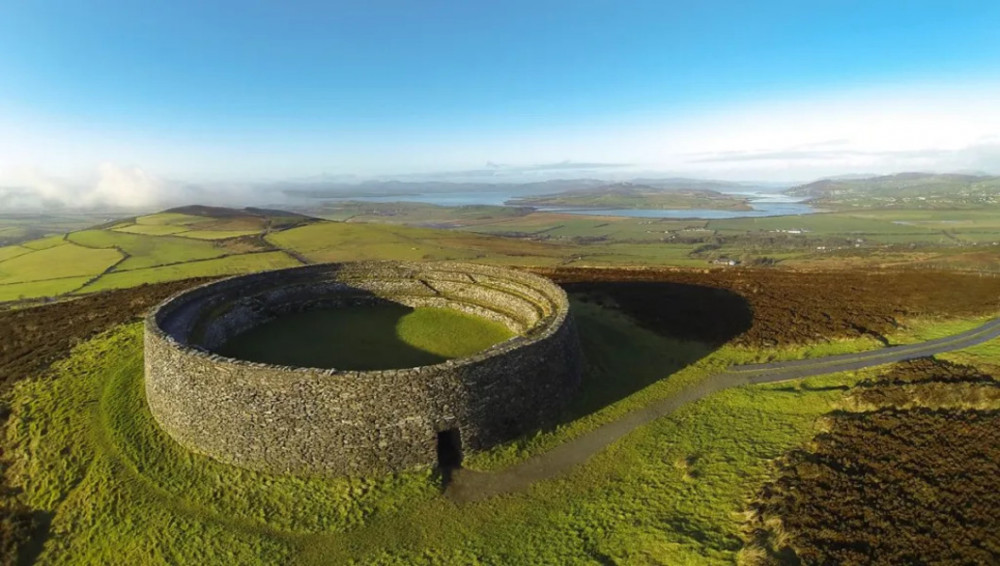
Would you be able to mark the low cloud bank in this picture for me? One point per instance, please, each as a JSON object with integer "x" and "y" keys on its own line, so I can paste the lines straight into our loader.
{"x": 112, "y": 187}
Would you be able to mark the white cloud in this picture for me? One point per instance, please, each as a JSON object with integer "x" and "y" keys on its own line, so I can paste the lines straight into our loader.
{"x": 865, "y": 130}
{"x": 129, "y": 187}
{"x": 111, "y": 186}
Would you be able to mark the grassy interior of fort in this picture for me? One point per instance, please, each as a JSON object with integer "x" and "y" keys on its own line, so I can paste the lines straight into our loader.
{"x": 371, "y": 337}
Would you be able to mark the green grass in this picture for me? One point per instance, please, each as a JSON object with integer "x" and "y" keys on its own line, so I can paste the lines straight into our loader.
{"x": 61, "y": 261}
{"x": 347, "y": 241}
{"x": 923, "y": 329}
{"x": 83, "y": 446}
{"x": 35, "y": 289}
{"x": 150, "y": 229}
{"x": 383, "y": 336}
{"x": 448, "y": 333}
{"x": 8, "y": 252}
{"x": 86, "y": 449}
{"x": 44, "y": 243}
{"x": 171, "y": 219}
{"x": 229, "y": 265}
{"x": 984, "y": 219}
{"x": 218, "y": 234}
{"x": 985, "y": 355}
{"x": 147, "y": 251}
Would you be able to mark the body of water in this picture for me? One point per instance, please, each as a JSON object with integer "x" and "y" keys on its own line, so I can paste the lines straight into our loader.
{"x": 763, "y": 203}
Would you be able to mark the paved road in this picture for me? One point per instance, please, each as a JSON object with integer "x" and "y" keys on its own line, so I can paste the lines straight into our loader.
{"x": 468, "y": 485}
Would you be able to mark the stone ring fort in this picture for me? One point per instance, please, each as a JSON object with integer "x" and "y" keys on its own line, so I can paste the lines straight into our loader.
{"x": 326, "y": 421}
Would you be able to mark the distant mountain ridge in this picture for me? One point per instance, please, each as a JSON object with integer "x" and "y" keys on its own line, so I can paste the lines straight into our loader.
{"x": 908, "y": 182}
{"x": 322, "y": 189}
{"x": 636, "y": 196}
{"x": 923, "y": 190}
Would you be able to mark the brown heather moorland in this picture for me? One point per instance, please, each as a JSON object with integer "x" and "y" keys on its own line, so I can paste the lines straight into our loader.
{"x": 892, "y": 485}
{"x": 788, "y": 307}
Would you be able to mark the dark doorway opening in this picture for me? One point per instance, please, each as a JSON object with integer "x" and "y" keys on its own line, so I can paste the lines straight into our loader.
{"x": 449, "y": 449}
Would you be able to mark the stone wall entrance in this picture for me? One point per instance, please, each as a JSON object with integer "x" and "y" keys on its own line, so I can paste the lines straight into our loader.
{"x": 449, "y": 449}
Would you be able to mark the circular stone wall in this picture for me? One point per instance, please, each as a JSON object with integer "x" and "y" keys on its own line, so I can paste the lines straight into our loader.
{"x": 326, "y": 421}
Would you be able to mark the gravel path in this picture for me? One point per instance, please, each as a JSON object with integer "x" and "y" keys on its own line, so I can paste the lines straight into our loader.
{"x": 469, "y": 485}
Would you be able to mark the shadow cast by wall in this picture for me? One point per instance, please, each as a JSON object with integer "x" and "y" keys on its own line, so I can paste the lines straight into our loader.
{"x": 680, "y": 324}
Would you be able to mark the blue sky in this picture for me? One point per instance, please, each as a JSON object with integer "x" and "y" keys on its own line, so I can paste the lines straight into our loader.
{"x": 244, "y": 90}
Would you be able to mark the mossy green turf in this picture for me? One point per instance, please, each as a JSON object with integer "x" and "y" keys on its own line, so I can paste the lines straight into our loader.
{"x": 49, "y": 288}
{"x": 228, "y": 265}
{"x": 82, "y": 446}
{"x": 55, "y": 262}
{"x": 145, "y": 250}
{"x": 382, "y": 336}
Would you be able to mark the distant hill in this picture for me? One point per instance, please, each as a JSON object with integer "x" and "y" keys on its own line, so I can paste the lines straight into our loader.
{"x": 921, "y": 190}
{"x": 411, "y": 188}
{"x": 683, "y": 183}
{"x": 226, "y": 212}
{"x": 637, "y": 196}
{"x": 274, "y": 218}
{"x": 319, "y": 190}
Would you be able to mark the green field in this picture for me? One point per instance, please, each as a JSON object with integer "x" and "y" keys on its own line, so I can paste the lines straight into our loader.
{"x": 47, "y": 288}
{"x": 45, "y": 243}
{"x": 925, "y": 191}
{"x": 56, "y": 262}
{"x": 175, "y": 245}
{"x": 229, "y": 265}
{"x": 412, "y": 212}
{"x": 150, "y": 229}
{"x": 8, "y": 252}
{"x": 83, "y": 447}
{"x": 383, "y": 336}
{"x": 628, "y": 195}
{"x": 170, "y": 219}
{"x": 218, "y": 234}
{"x": 339, "y": 241}
{"x": 198, "y": 227}
{"x": 147, "y": 251}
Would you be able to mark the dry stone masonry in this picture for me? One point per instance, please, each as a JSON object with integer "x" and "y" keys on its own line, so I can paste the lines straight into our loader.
{"x": 308, "y": 421}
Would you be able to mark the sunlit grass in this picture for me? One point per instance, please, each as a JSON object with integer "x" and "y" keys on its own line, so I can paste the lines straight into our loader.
{"x": 63, "y": 260}
{"x": 147, "y": 251}
{"x": 229, "y": 265}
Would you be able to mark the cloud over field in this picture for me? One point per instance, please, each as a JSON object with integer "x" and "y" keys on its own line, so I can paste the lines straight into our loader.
{"x": 110, "y": 186}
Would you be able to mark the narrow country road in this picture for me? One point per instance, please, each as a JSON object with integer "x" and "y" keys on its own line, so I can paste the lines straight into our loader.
{"x": 469, "y": 485}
